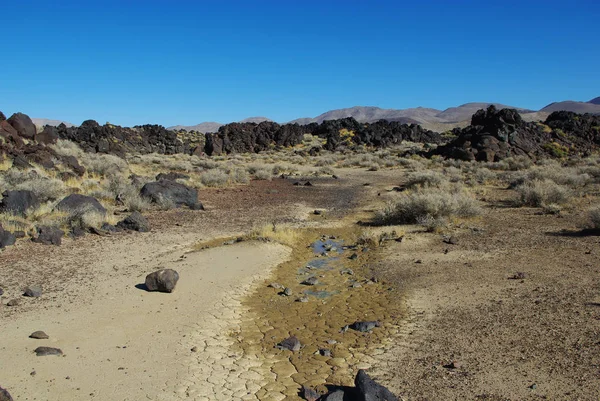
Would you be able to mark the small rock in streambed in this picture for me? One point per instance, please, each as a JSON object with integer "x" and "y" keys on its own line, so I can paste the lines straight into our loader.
{"x": 325, "y": 352}
{"x": 453, "y": 365}
{"x": 347, "y": 271}
{"x": 310, "y": 394}
{"x": 34, "y": 291}
{"x": 518, "y": 276}
{"x": 39, "y": 335}
{"x": 277, "y": 286}
{"x": 13, "y": 302}
{"x": 291, "y": 343}
{"x": 364, "y": 327}
{"x": 286, "y": 292}
{"x": 302, "y": 299}
{"x": 194, "y": 349}
{"x": 312, "y": 280}
{"x": 354, "y": 256}
{"x": 45, "y": 351}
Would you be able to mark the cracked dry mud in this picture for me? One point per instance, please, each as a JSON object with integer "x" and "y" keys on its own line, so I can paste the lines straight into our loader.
{"x": 239, "y": 360}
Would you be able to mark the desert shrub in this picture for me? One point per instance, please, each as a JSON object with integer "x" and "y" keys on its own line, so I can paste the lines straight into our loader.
{"x": 104, "y": 165}
{"x": 239, "y": 176}
{"x": 64, "y": 147}
{"x": 413, "y": 207}
{"x": 326, "y": 171}
{"x": 516, "y": 163}
{"x": 539, "y": 193}
{"x": 425, "y": 179}
{"x": 84, "y": 218}
{"x": 214, "y": 178}
{"x": 432, "y": 224}
{"x": 45, "y": 188}
{"x": 594, "y": 216}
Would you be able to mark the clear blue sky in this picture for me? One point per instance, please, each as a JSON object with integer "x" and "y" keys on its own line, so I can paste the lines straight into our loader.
{"x": 184, "y": 62}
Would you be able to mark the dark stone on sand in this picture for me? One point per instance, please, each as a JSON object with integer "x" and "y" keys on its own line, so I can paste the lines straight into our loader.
{"x": 163, "y": 280}
{"x": 45, "y": 351}
{"x": 39, "y": 335}
{"x": 365, "y": 326}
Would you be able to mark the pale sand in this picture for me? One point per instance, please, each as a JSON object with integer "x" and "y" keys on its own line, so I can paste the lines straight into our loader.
{"x": 129, "y": 344}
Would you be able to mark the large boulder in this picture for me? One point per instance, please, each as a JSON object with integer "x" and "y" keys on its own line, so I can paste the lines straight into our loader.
{"x": 369, "y": 390}
{"x": 163, "y": 280}
{"x": 6, "y": 238}
{"x": 18, "y": 202}
{"x": 170, "y": 191}
{"x": 80, "y": 203}
{"x": 23, "y": 124}
{"x": 49, "y": 135}
{"x": 48, "y": 235}
{"x": 136, "y": 222}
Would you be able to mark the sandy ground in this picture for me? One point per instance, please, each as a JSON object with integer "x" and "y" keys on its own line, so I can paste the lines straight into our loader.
{"x": 528, "y": 339}
{"x": 129, "y": 344}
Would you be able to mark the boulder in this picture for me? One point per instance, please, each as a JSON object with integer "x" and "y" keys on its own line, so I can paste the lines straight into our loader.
{"x": 23, "y": 125}
{"x": 80, "y": 203}
{"x": 72, "y": 163}
{"x": 5, "y": 395}
{"x": 6, "y": 238}
{"x": 48, "y": 135}
{"x": 136, "y": 222}
{"x": 48, "y": 235}
{"x": 18, "y": 202}
{"x": 163, "y": 280}
{"x": 337, "y": 395}
{"x": 369, "y": 390}
{"x": 171, "y": 191}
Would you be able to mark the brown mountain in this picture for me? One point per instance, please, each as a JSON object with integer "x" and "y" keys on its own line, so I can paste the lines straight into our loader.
{"x": 576, "y": 107}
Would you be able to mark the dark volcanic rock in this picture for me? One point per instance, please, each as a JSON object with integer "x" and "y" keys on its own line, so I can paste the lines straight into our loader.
{"x": 337, "y": 395}
{"x": 39, "y": 335}
{"x": 291, "y": 343}
{"x": 23, "y": 124}
{"x": 80, "y": 203}
{"x": 312, "y": 280}
{"x": 364, "y": 327}
{"x": 48, "y": 235}
{"x": 34, "y": 291}
{"x": 48, "y": 135}
{"x": 45, "y": 351}
{"x": 369, "y": 390}
{"x": 171, "y": 191}
{"x": 6, "y": 238}
{"x": 163, "y": 280}
{"x": 309, "y": 394}
{"x": 497, "y": 134}
{"x": 5, "y": 395}
{"x": 18, "y": 202}
{"x": 136, "y": 222}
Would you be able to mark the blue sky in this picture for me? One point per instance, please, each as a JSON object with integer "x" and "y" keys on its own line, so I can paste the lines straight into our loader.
{"x": 184, "y": 62}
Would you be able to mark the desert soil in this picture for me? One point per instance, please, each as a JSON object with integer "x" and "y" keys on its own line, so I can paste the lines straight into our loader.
{"x": 531, "y": 338}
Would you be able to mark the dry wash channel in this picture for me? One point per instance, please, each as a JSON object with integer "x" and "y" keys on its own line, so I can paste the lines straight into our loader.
{"x": 316, "y": 297}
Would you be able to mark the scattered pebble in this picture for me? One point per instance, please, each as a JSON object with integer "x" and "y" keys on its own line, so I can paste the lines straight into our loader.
{"x": 34, "y": 291}
{"x": 291, "y": 343}
{"x": 44, "y": 351}
{"x": 13, "y": 302}
{"x": 39, "y": 335}
{"x": 312, "y": 280}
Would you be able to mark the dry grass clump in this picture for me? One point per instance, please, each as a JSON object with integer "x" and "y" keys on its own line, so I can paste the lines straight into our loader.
{"x": 214, "y": 178}
{"x": 424, "y": 205}
{"x": 425, "y": 179}
{"x": 45, "y": 188}
{"x": 282, "y": 233}
{"x": 594, "y": 216}
{"x": 239, "y": 175}
{"x": 260, "y": 171}
{"x": 540, "y": 193}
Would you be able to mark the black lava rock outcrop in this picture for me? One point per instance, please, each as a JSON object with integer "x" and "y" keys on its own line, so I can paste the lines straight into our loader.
{"x": 23, "y": 125}
{"x": 6, "y": 238}
{"x": 497, "y": 134}
{"x": 48, "y": 235}
{"x": 166, "y": 191}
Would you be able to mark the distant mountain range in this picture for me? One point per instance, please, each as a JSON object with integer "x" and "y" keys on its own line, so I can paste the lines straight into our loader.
{"x": 433, "y": 119}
